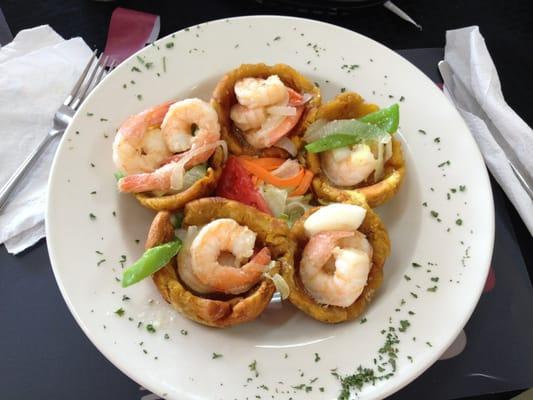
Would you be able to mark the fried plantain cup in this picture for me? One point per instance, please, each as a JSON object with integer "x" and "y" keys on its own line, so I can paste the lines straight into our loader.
{"x": 219, "y": 310}
{"x": 224, "y": 98}
{"x": 347, "y": 106}
{"x": 204, "y": 186}
{"x": 376, "y": 234}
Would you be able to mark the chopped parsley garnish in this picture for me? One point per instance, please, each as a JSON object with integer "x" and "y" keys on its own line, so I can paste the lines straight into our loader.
{"x": 434, "y": 214}
{"x": 437, "y": 140}
{"x": 150, "y": 328}
{"x": 92, "y": 216}
{"x": 253, "y": 367}
{"x": 125, "y": 298}
{"x": 164, "y": 64}
{"x": 407, "y": 277}
{"x": 120, "y": 312}
{"x": 216, "y": 355}
{"x": 343, "y": 90}
{"x": 442, "y": 164}
{"x": 462, "y": 188}
{"x": 416, "y": 265}
{"x": 459, "y": 221}
{"x": 425, "y": 204}
{"x": 139, "y": 97}
{"x": 100, "y": 262}
{"x": 277, "y": 38}
{"x": 317, "y": 357}
{"x": 363, "y": 320}
{"x": 404, "y": 324}
{"x": 423, "y": 132}
{"x": 432, "y": 289}
{"x": 99, "y": 252}
{"x": 411, "y": 312}
{"x": 429, "y": 344}
{"x": 135, "y": 69}
{"x": 435, "y": 279}
{"x": 184, "y": 332}
{"x": 149, "y": 65}
{"x": 414, "y": 295}
{"x": 401, "y": 98}
{"x": 90, "y": 114}
{"x": 169, "y": 45}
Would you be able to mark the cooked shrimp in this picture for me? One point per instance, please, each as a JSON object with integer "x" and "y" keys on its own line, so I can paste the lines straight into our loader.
{"x": 190, "y": 123}
{"x": 247, "y": 118}
{"x": 215, "y": 240}
{"x": 139, "y": 145}
{"x": 257, "y": 92}
{"x": 348, "y": 167}
{"x": 332, "y": 274}
{"x": 275, "y": 126}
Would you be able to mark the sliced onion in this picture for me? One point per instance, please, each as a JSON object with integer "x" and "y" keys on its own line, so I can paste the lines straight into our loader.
{"x": 378, "y": 173}
{"x": 286, "y": 144}
{"x": 176, "y": 179}
{"x": 289, "y": 169}
{"x": 281, "y": 286}
{"x": 180, "y": 233}
{"x": 282, "y": 110}
{"x": 306, "y": 97}
{"x": 388, "y": 150}
{"x": 314, "y": 132}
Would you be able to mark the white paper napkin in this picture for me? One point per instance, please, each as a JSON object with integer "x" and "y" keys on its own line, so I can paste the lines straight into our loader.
{"x": 37, "y": 71}
{"x": 479, "y": 99}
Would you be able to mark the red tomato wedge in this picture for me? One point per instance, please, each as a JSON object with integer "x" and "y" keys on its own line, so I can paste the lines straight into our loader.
{"x": 236, "y": 184}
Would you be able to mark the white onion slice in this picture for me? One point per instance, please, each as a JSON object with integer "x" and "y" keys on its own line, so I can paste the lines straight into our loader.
{"x": 388, "y": 150}
{"x": 281, "y": 286}
{"x": 378, "y": 173}
{"x": 282, "y": 110}
{"x": 306, "y": 97}
{"x": 286, "y": 144}
{"x": 314, "y": 132}
{"x": 289, "y": 169}
{"x": 176, "y": 179}
{"x": 269, "y": 125}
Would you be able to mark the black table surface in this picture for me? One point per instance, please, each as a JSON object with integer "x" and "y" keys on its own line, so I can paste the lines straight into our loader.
{"x": 506, "y": 26}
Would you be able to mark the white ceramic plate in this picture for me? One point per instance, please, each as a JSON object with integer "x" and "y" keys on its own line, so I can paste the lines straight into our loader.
{"x": 290, "y": 349}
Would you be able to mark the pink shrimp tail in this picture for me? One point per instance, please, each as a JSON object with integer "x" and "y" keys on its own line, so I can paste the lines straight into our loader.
{"x": 262, "y": 257}
{"x": 198, "y": 159}
{"x": 288, "y": 122}
{"x": 138, "y": 183}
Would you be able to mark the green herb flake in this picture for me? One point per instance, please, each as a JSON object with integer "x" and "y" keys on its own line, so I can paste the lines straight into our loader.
{"x": 442, "y": 164}
{"x": 434, "y": 214}
{"x": 435, "y": 279}
{"x": 414, "y": 295}
{"x": 411, "y": 312}
{"x": 139, "y": 97}
{"x": 149, "y": 65}
{"x": 432, "y": 289}
{"x": 459, "y": 221}
{"x": 277, "y": 38}
{"x": 164, "y": 64}
{"x": 120, "y": 312}
{"x": 135, "y": 69}
{"x": 216, "y": 355}
{"x": 363, "y": 320}
{"x": 343, "y": 90}
{"x": 92, "y": 216}
{"x": 253, "y": 367}
{"x": 184, "y": 332}
{"x": 429, "y": 344}
{"x": 100, "y": 262}
{"x": 407, "y": 277}
{"x": 150, "y": 328}
{"x": 462, "y": 188}
{"x": 415, "y": 265}
{"x": 437, "y": 140}
{"x": 92, "y": 165}
{"x": 317, "y": 357}
{"x": 125, "y": 298}
{"x": 169, "y": 45}
{"x": 404, "y": 324}
{"x": 423, "y": 132}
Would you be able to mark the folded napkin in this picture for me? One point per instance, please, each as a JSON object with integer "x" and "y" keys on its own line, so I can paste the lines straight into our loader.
{"x": 37, "y": 71}
{"x": 495, "y": 126}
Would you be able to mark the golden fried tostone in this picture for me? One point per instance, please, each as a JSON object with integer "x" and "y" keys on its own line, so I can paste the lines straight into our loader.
{"x": 224, "y": 310}
{"x": 346, "y": 106}
{"x": 376, "y": 234}
{"x": 224, "y": 98}
{"x": 201, "y": 188}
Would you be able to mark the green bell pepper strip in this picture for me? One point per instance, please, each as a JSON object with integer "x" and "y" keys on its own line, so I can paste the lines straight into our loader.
{"x": 386, "y": 118}
{"x": 332, "y": 142}
{"x": 151, "y": 261}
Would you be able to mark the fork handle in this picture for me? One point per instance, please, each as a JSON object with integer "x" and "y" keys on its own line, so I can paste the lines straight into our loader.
{"x": 17, "y": 176}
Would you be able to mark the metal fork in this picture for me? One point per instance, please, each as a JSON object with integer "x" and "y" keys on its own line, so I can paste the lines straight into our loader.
{"x": 93, "y": 73}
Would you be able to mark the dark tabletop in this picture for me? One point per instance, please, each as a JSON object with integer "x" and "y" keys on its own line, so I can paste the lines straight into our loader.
{"x": 507, "y": 28}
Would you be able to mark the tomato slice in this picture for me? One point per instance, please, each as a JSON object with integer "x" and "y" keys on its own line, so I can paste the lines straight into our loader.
{"x": 236, "y": 184}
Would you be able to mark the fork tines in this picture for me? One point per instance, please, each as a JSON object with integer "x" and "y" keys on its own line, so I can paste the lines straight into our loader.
{"x": 93, "y": 73}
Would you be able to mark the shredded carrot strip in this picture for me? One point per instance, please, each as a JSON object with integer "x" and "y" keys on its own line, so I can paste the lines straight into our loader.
{"x": 265, "y": 175}
{"x": 268, "y": 163}
{"x": 304, "y": 184}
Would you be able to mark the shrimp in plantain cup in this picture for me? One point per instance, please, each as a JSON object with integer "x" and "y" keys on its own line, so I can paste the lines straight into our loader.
{"x": 170, "y": 154}
{"x": 264, "y": 109}
{"x": 351, "y": 149}
{"x": 225, "y": 269}
{"x": 339, "y": 254}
